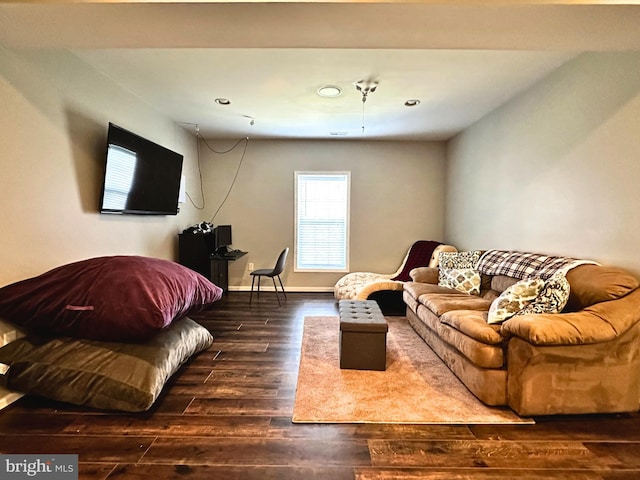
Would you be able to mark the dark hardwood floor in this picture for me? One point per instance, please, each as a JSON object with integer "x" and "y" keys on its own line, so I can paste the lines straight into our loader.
{"x": 227, "y": 415}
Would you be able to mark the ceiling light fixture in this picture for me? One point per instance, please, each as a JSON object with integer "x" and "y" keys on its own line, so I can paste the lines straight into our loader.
{"x": 329, "y": 91}
{"x": 414, "y": 102}
{"x": 365, "y": 87}
{"x": 223, "y": 101}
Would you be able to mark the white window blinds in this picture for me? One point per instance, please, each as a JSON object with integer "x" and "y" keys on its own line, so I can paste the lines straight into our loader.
{"x": 322, "y": 221}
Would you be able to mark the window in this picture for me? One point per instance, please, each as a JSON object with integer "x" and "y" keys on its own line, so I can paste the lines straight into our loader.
{"x": 322, "y": 221}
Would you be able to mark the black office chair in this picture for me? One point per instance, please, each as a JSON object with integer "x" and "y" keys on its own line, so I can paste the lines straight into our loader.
{"x": 273, "y": 273}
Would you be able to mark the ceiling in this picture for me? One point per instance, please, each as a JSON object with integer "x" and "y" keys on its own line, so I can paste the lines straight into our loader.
{"x": 461, "y": 59}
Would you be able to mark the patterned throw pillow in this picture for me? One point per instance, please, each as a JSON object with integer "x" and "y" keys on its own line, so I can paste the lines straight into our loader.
{"x": 514, "y": 299}
{"x": 552, "y": 298}
{"x": 465, "y": 280}
{"x": 456, "y": 260}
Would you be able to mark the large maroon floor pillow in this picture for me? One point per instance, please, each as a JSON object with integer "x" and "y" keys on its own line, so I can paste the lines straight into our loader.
{"x": 120, "y": 298}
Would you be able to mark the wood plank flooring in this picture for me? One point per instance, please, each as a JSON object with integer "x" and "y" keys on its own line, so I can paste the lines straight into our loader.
{"x": 227, "y": 415}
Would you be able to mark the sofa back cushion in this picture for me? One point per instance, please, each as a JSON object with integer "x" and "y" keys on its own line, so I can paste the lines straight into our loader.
{"x": 500, "y": 283}
{"x": 494, "y": 285}
{"x": 591, "y": 284}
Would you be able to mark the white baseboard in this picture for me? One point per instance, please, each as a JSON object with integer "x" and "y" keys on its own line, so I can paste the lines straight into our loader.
{"x": 287, "y": 288}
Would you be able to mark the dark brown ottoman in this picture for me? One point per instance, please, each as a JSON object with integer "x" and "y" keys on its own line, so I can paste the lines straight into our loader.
{"x": 363, "y": 335}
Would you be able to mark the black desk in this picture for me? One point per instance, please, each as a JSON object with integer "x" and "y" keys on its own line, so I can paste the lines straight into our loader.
{"x": 194, "y": 251}
{"x": 229, "y": 257}
{"x": 219, "y": 268}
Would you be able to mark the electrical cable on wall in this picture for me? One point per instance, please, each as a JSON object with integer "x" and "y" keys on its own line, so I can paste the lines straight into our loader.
{"x": 200, "y": 138}
{"x": 235, "y": 177}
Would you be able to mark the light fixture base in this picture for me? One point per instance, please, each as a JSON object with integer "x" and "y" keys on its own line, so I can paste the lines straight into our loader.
{"x": 329, "y": 91}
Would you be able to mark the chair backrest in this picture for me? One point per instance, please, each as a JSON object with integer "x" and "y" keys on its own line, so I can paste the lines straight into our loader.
{"x": 282, "y": 260}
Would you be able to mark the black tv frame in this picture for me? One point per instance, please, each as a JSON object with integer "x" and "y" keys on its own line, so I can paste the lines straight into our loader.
{"x": 155, "y": 182}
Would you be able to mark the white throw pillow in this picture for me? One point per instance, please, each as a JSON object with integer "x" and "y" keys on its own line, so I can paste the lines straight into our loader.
{"x": 465, "y": 280}
{"x": 455, "y": 260}
{"x": 552, "y": 298}
{"x": 514, "y": 299}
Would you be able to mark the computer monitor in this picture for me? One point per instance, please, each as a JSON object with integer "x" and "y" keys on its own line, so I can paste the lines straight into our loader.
{"x": 222, "y": 235}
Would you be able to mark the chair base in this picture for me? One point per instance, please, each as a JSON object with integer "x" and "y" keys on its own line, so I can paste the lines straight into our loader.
{"x": 275, "y": 287}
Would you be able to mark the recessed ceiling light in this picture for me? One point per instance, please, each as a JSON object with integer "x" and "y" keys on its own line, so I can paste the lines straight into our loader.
{"x": 223, "y": 101}
{"x": 414, "y": 102}
{"x": 329, "y": 91}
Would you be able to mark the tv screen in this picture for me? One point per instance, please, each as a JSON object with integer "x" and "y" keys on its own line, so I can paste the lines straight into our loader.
{"x": 141, "y": 177}
{"x": 222, "y": 234}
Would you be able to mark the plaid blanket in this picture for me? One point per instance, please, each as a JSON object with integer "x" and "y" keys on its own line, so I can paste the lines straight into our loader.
{"x": 525, "y": 265}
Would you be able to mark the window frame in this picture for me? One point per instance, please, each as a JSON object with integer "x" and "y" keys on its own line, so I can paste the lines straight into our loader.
{"x": 347, "y": 219}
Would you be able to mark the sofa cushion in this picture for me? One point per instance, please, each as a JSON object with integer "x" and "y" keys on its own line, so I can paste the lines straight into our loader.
{"x": 514, "y": 299}
{"x": 456, "y": 260}
{"x": 490, "y": 295}
{"x": 416, "y": 289}
{"x": 500, "y": 283}
{"x": 465, "y": 280}
{"x": 413, "y": 290}
{"x": 552, "y": 298}
{"x": 591, "y": 284}
{"x": 410, "y": 301}
{"x": 474, "y": 324}
{"x": 440, "y": 303}
{"x": 479, "y": 353}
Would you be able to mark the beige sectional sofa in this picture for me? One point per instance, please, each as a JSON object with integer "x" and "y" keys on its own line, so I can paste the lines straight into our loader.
{"x": 584, "y": 359}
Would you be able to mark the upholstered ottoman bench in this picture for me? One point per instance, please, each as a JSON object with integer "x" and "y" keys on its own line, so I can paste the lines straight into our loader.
{"x": 363, "y": 335}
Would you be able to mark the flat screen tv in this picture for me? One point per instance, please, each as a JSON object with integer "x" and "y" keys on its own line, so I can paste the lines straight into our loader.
{"x": 222, "y": 235}
{"x": 141, "y": 177}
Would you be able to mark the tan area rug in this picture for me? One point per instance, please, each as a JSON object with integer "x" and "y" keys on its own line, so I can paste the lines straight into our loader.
{"x": 415, "y": 388}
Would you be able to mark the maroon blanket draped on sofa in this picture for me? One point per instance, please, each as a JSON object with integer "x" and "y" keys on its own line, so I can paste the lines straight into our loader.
{"x": 419, "y": 256}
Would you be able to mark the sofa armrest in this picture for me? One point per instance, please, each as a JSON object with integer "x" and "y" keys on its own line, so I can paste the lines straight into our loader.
{"x": 576, "y": 328}
{"x": 601, "y": 322}
{"x": 424, "y": 275}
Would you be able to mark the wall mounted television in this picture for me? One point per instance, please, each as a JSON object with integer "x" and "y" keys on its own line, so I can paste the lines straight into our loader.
{"x": 222, "y": 238}
{"x": 140, "y": 176}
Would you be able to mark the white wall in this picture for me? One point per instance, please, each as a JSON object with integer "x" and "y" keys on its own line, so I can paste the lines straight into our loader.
{"x": 53, "y": 124}
{"x": 397, "y": 197}
{"x": 557, "y": 169}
